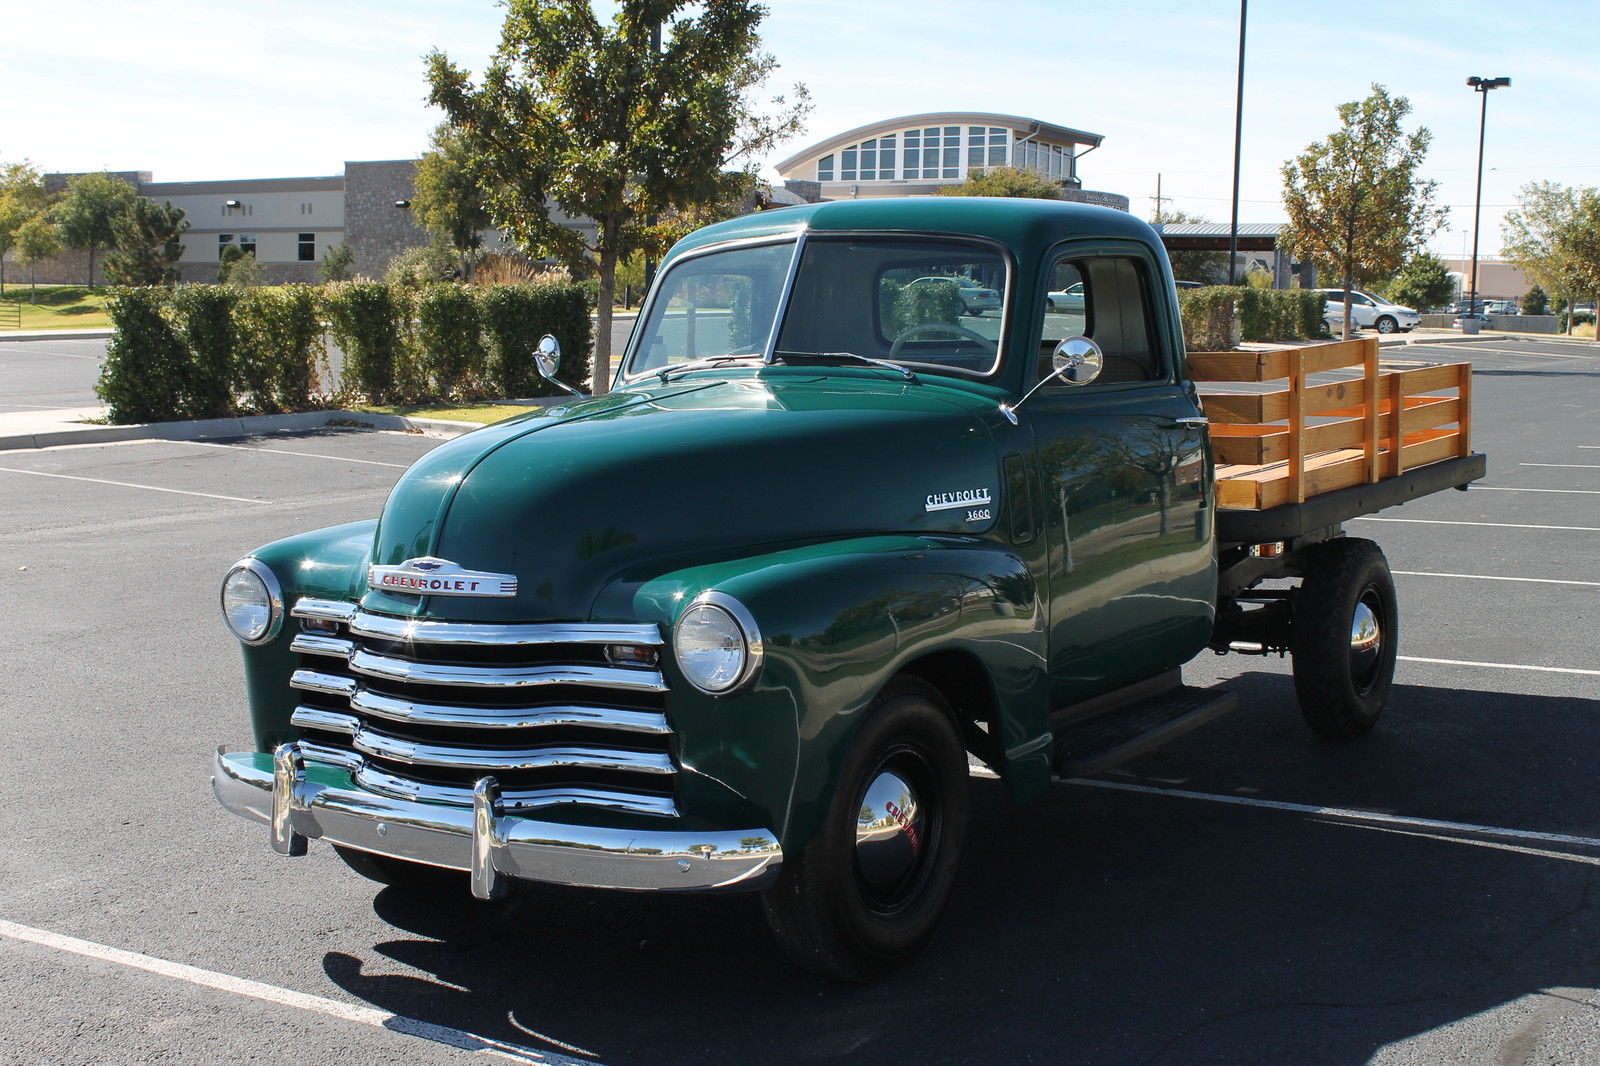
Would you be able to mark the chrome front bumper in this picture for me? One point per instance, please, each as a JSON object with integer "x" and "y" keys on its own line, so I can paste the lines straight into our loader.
{"x": 273, "y": 788}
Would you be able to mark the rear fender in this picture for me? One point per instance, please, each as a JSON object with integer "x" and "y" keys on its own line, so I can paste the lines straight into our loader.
{"x": 838, "y": 620}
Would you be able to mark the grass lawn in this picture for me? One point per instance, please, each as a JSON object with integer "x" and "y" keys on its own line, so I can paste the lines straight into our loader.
{"x": 479, "y": 412}
{"x": 57, "y": 307}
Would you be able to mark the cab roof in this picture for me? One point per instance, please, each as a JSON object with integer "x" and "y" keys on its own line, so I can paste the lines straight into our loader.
{"x": 1024, "y": 225}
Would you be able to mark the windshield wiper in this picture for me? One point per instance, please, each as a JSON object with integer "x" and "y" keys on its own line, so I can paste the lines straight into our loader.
{"x": 697, "y": 364}
{"x": 800, "y": 359}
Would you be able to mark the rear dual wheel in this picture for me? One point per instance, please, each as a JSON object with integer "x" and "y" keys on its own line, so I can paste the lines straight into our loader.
{"x": 1344, "y": 637}
{"x": 870, "y": 888}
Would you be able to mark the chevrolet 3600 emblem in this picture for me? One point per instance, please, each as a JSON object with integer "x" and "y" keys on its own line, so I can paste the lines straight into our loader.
{"x": 440, "y": 577}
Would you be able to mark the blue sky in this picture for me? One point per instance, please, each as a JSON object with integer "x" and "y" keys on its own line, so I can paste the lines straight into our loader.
{"x": 229, "y": 89}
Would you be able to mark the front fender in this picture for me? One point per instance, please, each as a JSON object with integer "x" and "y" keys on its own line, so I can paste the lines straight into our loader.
{"x": 323, "y": 564}
{"x": 838, "y": 620}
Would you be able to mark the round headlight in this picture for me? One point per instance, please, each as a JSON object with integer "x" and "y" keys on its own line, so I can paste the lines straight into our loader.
{"x": 252, "y": 603}
{"x": 717, "y": 645}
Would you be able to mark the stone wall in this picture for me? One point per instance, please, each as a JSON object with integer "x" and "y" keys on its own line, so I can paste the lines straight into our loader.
{"x": 375, "y": 229}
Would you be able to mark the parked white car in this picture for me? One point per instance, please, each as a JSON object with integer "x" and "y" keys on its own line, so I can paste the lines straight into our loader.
{"x": 1372, "y": 312}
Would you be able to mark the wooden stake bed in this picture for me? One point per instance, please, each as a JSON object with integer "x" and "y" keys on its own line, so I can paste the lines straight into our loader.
{"x": 1377, "y": 426}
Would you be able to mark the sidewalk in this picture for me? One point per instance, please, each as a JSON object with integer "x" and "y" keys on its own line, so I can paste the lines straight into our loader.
{"x": 51, "y": 429}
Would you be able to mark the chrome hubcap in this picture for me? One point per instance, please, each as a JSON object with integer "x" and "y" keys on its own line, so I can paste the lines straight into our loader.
{"x": 1366, "y": 643}
{"x": 889, "y": 831}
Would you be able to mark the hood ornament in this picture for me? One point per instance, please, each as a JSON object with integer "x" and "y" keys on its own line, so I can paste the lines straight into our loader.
{"x": 428, "y": 576}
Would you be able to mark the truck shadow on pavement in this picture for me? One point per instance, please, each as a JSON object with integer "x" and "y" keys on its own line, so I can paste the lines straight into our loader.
{"x": 1101, "y": 926}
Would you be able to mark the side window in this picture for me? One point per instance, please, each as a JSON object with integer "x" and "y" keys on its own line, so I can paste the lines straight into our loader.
{"x": 1106, "y": 299}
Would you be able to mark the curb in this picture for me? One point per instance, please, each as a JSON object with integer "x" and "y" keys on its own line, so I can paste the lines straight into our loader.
{"x": 54, "y": 335}
{"x": 249, "y": 425}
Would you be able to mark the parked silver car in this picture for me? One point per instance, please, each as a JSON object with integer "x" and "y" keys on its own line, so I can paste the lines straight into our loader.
{"x": 1374, "y": 312}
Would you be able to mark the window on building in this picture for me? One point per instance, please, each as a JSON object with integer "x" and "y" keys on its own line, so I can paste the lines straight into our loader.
{"x": 308, "y": 247}
{"x": 825, "y": 168}
{"x": 246, "y": 242}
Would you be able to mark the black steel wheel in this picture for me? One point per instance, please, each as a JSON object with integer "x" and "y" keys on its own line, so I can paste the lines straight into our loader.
{"x": 870, "y": 888}
{"x": 1344, "y": 637}
{"x": 1387, "y": 324}
{"x": 415, "y": 878}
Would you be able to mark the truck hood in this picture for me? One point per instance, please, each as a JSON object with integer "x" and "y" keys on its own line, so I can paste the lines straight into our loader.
{"x": 570, "y": 498}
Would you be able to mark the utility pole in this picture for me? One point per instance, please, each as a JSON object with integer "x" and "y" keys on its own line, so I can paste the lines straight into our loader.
{"x": 1238, "y": 140}
{"x": 1158, "y": 198}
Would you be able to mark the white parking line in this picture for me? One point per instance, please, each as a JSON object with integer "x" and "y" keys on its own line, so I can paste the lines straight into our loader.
{"x": 1500, "y": 666}
{"x": 332, "y": 1008}
{"x": 281, "y": 451}
{"x": 1341, "y": 812}
{"x": 129, "y": 485}
{"x": 1566, "y": 466}
{"x": 1568, "y": 492}
{"x": 1491, "y": 525}
{"x": 1487, "y": 577}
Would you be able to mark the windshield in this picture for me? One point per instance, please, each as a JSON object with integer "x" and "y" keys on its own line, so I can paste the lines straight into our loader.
{"x": 929, "y": 303}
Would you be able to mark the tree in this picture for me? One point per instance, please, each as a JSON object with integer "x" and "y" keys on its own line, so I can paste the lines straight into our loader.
{"x": 22, "y": 196}
{"x": 587, "y": 121}
{"x": 447, "y": 199}
{"x": 1005, "y": 181}
{"x": 1208, "y": 268}
{"x": 1356, "y": 207}
{"x": 86, "y": 211}
{"x": 337, "y": 262}
{"x": 1553, "y": 235}
{"x": 147, "y": 250}
{"x": 1536, "y": 302}
{"x": 1425, "y": 281}
{"x": 37, "y": 240}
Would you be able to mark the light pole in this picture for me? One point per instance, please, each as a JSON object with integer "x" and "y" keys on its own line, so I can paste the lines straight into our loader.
{"x": 1482, "y": 86}
{"x": 1238, "y": 138}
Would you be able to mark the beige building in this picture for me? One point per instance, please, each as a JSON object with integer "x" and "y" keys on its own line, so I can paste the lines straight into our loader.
{"x": 914, "y": 155}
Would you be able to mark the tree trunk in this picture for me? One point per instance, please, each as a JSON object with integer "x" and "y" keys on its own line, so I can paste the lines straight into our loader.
{"x": 91, "y": 266}
{"x": 600, "y": 373}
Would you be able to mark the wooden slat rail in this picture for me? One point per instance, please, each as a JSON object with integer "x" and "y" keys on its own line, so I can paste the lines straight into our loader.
{"x": 1378, "y": 425}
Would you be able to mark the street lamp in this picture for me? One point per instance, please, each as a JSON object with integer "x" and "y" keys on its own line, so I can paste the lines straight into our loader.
{"x": 1481, "y": 86}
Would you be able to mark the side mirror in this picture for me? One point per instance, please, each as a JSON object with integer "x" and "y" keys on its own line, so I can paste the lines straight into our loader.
{"x": 1075, "y": 361}
{"x": 548, "y": 358}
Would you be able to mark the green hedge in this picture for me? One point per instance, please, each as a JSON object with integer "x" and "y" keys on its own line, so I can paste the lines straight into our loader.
{"x": 448, "y": 344}
{"x": 1218, "y": 317}
{"x": 204, "y": 351}
{"x": 514, "y": 317}
{"x": 371, "y": 323}
{"x": 147, "y": 363}
{"x": 204, "y": 317}
{"x": 279, "y": 347}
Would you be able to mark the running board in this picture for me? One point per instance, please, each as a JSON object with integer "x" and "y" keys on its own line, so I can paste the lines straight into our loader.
{"x": 1101, "y": 742}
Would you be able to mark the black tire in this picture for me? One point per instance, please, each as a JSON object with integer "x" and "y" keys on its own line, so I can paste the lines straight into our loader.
{"x": 1386, "y": 324}
{"x": 415, "y": 878}
{"x": 1343, "y": 667}
{"x": 848, "y": 921}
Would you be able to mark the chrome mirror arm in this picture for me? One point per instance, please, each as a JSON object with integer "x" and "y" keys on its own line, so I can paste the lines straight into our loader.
{"x": 547, "y": 357}
{"x": 1073, "y": 356}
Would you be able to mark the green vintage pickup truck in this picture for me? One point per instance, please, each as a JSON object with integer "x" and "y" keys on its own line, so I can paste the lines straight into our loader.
{"x": 836, "y": 536}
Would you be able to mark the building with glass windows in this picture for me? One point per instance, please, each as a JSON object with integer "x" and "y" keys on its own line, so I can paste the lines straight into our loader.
{"x": 916, "y": 154}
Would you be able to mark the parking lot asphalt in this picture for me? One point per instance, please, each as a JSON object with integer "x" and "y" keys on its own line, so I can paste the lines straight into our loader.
{"x": 1247, "y": 894}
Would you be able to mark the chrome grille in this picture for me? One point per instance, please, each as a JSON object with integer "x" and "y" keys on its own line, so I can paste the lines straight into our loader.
{"x": 422, "y": 709}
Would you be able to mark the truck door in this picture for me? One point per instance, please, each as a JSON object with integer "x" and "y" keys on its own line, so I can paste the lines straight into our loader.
{"x": 1124, "y": 479}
